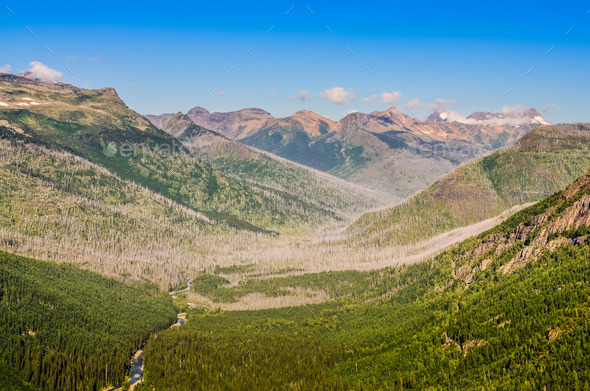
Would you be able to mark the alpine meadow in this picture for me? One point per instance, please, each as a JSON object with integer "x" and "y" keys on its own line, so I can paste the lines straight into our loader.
{"x": 294, "y": 196}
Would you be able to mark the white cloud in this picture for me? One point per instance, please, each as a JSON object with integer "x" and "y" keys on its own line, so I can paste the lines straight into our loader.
{"x": 338, "y": 95}
{"x": 220, "y": 94}
{"x": 413, "y": 103}
{"x": 372, "y": 98}
{"x": 42, "y": 72}
{"x": 453, "y": 116}
{"x": 390, "y": 97}
{"x": 441, "y": 103}
{"x": 437, "y": 105}
{"x": 508, "y": 110}
{"x": 5, "y": 69}
{"x": 510, "y": 120}
{"x": 302, "y": 95}
{"x": 550, "y": 106}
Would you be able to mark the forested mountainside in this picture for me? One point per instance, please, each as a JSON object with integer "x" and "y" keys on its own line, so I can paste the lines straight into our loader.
{"x": 506, "y": 310}
{"x": 542, "y": 162}
{"x": 97, "y": 126}
{"x": 66, "y": 328}
{"x": 60, "y": 207}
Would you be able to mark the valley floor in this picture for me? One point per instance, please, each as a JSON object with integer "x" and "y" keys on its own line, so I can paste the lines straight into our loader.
{"x": 280, "y": 258}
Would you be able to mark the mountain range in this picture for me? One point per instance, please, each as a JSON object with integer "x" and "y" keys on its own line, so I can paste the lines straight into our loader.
{"x": 386, "y": 150}
{"x": 265, "y": 169}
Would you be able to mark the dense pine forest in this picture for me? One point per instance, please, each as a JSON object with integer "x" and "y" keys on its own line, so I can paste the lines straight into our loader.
{"x": 66, "y": 328}
{"x": 506, "y": 310}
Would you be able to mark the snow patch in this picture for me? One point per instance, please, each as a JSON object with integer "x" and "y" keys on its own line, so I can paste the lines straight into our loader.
{"x": 22, "y": 104}
{"x": 3, "y": 104}
{"x": 540, "y": 120}
{"x": 26, "y": 99}
{"x": 443, "y": 115}
{"x": 35, "y": 103}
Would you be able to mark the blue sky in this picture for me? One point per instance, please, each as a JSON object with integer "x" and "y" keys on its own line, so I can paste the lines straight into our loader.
{"x": 165, "y": 57}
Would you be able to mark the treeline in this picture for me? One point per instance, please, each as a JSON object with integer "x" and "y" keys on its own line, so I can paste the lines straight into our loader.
{"x": 66, "y": 328}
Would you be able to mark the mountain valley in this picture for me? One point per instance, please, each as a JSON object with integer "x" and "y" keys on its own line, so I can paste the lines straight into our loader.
{"x": 375, "y": 252}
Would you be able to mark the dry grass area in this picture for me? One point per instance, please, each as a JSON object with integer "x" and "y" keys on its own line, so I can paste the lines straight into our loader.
{"x": 267, "y": 258}
{"x": 316, "y": 253}
{"x": 258, "y": 300}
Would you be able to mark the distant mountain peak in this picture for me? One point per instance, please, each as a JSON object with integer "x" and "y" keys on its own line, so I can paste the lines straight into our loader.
{"x": 315, "y": 124}
{"x": 159, "y": 121}
{"x": 198, "y": 110}
{"x": 181, "y": 126}
{"x": 517, "y": 118}
{"x": 387, "y": 112}
{"x": 253, "y": 110}
{"x": 531, "y": 112}
{"x": 438, "y": 116}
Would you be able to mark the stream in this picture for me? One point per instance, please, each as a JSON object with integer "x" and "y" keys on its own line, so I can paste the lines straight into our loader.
{"x": 136, "y": 372}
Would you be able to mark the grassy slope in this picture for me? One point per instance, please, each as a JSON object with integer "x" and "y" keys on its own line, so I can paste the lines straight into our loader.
{"x": 62, "y": 326}
{"x": 460, "y": 321}
{"x": 99, "y": 127}
{"x": 544, "y": 161}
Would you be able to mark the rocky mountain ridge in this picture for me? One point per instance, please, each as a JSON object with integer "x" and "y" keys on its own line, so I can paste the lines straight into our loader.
{"x": 387, "y": 150}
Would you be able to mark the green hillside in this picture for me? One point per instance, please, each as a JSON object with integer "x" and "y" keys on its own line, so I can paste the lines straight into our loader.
{"x": 97, "y": 126}
{"x": 542, "y": 162}
{"x": 506, "y": 310}
{"x": 66, "y": 328}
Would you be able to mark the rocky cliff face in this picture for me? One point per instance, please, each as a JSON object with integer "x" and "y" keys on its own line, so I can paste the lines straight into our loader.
{"x": 235, "y": 125}
{"x": 562, "y": 219}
